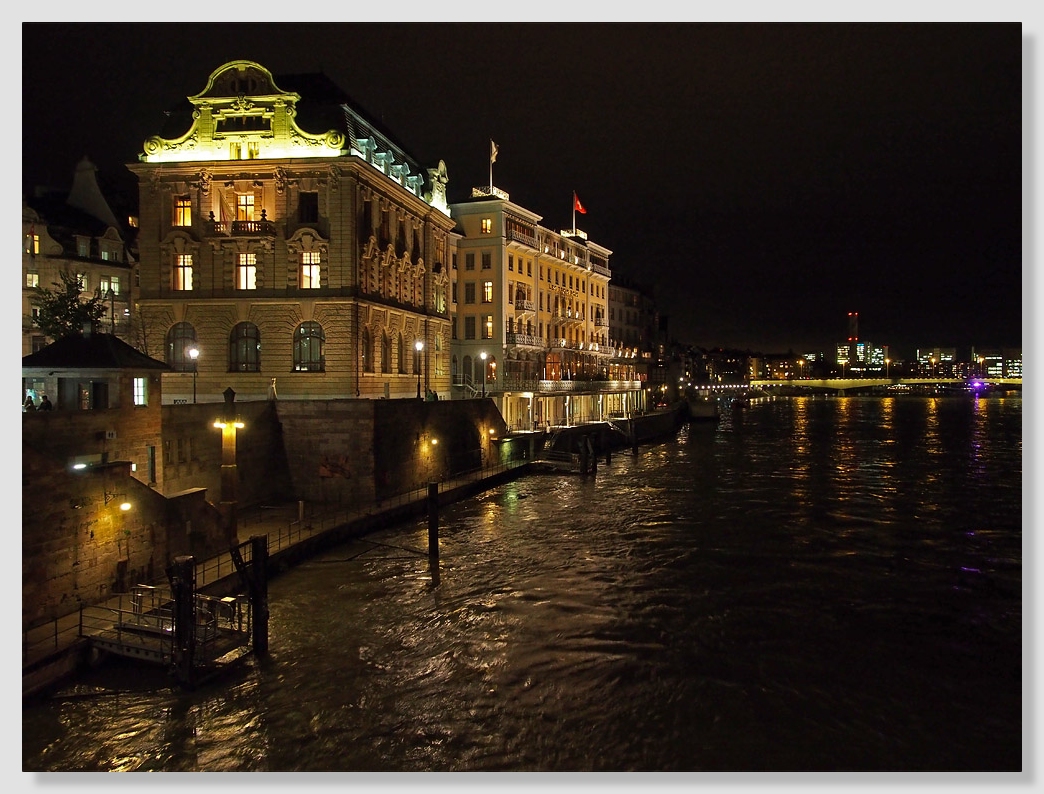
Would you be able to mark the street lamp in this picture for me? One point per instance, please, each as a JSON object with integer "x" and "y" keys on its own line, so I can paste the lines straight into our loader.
{"x": 420, "y": 346}
{"x": 482, "y": 355}
{"x": 193, "y": 353}
{"x": 888, "y": 361}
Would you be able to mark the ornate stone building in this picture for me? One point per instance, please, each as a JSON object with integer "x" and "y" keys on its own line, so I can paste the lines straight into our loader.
{"x": 287, "y": 242}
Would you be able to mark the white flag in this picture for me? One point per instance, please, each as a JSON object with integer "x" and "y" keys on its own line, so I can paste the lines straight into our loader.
{"x": 493, "y": 149}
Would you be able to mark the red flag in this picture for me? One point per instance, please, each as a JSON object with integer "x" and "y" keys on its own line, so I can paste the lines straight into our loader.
{"x": 577, "y": 205}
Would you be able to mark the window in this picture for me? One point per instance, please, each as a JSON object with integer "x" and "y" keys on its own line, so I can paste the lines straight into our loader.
{"x": 469, "y": 327}
{"x": 487, "y": 291}
{"x": 487, "y": 260}
{"x": 469, "y": 292}
{"x": 244, "y": 348}
{"x": 182, "y": 211}
{"x": 367, "y": 350}
{"x": 529, "y": 268}
{"x": 141, "y": 394}
{"x": 454, "y": 260}
{"x": 385, "y": 352}
{"x": 511, "y": 264}
{"x": 309, "y": 270}
{"x": 244, "y": 206}
{"x": 180, "y": 339}
{"x": 83, "y": 248}
{"x": 308, "y": 348}
{"x": 183, "y": 272}
{"x": 487, "y": 225}
{"x": 401, "y": 344}
{"x": 32, "y": 280}
{"x": 453, "y": 291}
{"x": 32, "y": 244}
{"x": 487, "y": 327}
{"x": 246, "y": 272}
{"x": 469, "y": 261}
{"x": 308, "y": 207}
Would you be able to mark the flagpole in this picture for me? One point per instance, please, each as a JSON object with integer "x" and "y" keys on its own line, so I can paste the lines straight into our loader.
{"x": 574, "y": 213}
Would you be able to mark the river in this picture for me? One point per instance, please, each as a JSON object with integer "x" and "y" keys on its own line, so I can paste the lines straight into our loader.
{"x": 808, "y": 585}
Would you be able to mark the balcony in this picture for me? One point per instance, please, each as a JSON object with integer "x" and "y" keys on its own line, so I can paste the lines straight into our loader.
{"x": 526, "y": 340}
{"x": 523, "y": 305}
{"x": 260, "y": 228}
{"x": 521, "y": 237}
{"x": 601, "y": 322}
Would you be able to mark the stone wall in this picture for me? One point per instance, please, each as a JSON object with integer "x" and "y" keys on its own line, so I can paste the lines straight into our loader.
{"x": 78, "y": 547}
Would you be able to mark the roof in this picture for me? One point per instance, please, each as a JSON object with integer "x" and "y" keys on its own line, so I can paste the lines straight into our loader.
{"x": 94, "y": 351}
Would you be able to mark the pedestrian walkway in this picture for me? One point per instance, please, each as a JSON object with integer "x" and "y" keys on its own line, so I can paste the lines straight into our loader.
{"x": 284, "y": 525}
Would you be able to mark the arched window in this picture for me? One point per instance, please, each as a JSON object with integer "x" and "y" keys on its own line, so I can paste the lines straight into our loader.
{"x": 367, "y": 350}
{"x": 309, "y": 341}
{"x": 244, "y": 348}
{"x": 402, "y": 354}
{"x": 385, "y": 352}
{"x": 180, "y": 339}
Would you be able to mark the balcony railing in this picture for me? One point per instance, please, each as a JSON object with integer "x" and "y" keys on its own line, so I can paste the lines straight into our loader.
{"x": 521, "y": 304}
{"x": 529, "y": 340}
{"x": 262, "y": 228}
{"x": 559, "y": 386}
{"x": 522, "y": 237}
{"x": 601, "y": 322}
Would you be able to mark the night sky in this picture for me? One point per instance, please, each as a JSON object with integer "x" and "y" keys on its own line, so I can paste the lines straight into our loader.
{"x": 763, "y": 179}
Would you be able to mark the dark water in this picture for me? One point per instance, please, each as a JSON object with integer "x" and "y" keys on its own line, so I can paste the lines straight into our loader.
{"x": 814, "y": 585}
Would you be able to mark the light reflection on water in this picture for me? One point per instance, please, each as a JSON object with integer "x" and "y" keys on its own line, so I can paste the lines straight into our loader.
{"x": 817, "y": 585}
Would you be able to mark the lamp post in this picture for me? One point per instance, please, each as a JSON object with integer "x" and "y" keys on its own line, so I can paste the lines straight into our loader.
{"x": 193, "y": 353}
{"x": 420, "y": 346}
{"x": 888, "y": 361}
{"x": 482, "y": 355}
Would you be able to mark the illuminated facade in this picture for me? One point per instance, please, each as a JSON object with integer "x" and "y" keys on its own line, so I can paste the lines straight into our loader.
{"x": 77, "y": 234}
{"x": 535, "y": 302}
{"x": 285, "y": 236}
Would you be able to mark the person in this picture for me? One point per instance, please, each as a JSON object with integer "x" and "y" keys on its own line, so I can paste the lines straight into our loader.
{"x": 29, "y": 405}
{"x": 45, "y": 404}
{"x": 272, "y": 390}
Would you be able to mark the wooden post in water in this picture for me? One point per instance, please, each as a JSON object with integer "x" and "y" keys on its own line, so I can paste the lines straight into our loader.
{"x": 259, "y": 592}
{"x": 433, "y": 532}
{"x": 182, "y": 576}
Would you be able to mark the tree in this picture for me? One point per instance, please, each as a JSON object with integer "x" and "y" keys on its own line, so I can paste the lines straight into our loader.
{"x": 64, "y": 311}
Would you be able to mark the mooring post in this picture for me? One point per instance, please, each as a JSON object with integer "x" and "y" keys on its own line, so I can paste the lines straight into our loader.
{"x": 259, "y": 592}
{"x": 182, "y": 576}
{"x": 433, "y": 532}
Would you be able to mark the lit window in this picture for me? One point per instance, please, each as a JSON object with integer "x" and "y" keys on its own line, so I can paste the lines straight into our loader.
{"x": 246, "y": 272}
{"x": 32, "y": 244}
{"x": 183, "y": 272}
{"x": 310, "y": 270}
{"x": 32, "y": 279}
{"x": 487, "y": 292}
{"x": 141, "y": 396}
{"x": 253, "y": 150}
{"x": 182, "y": 211}
{"x": 114, "y": 284}
{"x": 244, "y": 206}
{"x": 81, "y": 279}
{"x": 487, "y": 327}
{"x": 487, "y": 225}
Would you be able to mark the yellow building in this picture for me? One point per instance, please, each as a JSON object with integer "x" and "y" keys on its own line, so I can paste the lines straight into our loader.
{"x": 289, "y": 244}
{"x": 531, "y": 320}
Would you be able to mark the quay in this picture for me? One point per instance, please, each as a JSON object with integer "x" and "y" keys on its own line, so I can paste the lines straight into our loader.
{"x": 56, "y": 650}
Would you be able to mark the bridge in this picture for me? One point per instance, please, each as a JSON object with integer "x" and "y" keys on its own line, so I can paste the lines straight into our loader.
{"x": 845, "y": 384}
